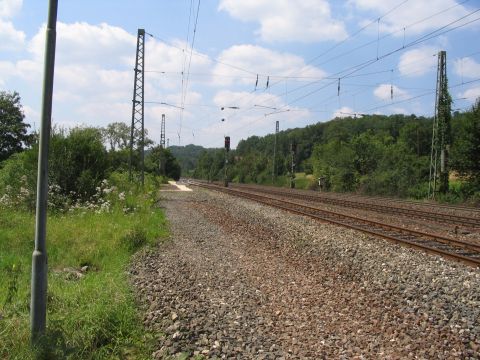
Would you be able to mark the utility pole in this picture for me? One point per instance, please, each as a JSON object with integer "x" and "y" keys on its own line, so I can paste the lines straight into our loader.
{"x": 162, "y": 133}
{"x": 274, "y": 172}
{"x": 38, "y": 300}
{"x": 293, "y": 150}
{"x": 137, "y": 131}
{"x": 168, "y": 143}
{"x": 227, "y": 149}
{"x": 441, "y": 132}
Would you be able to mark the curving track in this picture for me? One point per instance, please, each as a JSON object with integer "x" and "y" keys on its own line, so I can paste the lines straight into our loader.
{"x": 458, "y": 250}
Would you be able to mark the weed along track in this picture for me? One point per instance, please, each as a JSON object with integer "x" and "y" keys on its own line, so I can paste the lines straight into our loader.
{"x": 242, "y": 280}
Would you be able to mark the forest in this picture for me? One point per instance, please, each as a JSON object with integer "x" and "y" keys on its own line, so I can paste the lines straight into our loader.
{"x": 371, "y": 154}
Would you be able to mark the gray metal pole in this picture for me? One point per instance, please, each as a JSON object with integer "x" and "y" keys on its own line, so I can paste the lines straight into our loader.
{"x": 274, "y": 173}
{"x": 38, "y": 304}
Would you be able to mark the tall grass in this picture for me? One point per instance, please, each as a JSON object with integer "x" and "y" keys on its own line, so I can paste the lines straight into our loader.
{"x": 91, "y": 314}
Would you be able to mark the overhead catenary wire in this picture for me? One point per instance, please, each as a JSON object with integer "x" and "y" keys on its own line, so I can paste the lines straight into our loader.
{"x": 296, "y": 89}
{"x": 291, "y": 89}
{"x": 413, "y": 43}
{"x": 373, "y": 41}
{"x": 353, "y": 69}
{"x": 188, "y": 73}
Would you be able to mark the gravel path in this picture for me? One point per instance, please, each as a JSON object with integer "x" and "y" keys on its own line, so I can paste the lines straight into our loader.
{"x": 241, "y": 280}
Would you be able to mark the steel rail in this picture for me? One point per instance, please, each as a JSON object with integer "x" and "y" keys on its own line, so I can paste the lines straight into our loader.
{"x": 433, "y": 216}
{"x": 458, "y": 250}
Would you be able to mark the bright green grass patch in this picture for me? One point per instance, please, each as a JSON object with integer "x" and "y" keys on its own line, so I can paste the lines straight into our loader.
{"x": 91, "y": 317}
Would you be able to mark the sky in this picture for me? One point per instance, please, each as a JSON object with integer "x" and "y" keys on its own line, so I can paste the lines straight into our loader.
{"x": 298, "y": 62}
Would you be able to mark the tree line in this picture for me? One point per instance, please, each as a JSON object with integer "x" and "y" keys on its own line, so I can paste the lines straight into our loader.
{"x": 372, "y": 154}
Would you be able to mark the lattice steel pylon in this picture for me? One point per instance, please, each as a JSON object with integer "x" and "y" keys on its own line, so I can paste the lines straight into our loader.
{"x": 137, "y": 131}
{"x": 274, "y": 170}
{"x": 441, "y": 132}
{"x": 162, "y": 132}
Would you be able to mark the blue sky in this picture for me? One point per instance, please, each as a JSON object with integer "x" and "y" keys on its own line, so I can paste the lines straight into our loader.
{"x": 383, "y": 52}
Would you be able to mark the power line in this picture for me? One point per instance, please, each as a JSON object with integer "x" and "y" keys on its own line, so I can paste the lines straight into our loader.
{"x": 188, "y": 72}
{"x": 349, "y": 72}
{"x": 371, "y": 42}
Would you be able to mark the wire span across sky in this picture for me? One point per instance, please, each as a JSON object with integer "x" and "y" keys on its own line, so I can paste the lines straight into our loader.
{"x": 288, "y": 60}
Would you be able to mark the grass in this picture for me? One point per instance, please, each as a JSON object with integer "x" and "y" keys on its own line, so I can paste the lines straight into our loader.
{"x": 92, "y": 317}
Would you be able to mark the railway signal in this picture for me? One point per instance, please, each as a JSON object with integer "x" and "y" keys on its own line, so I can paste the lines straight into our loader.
{"x": 227, "y": 149}
{"x": 227, "y": 143}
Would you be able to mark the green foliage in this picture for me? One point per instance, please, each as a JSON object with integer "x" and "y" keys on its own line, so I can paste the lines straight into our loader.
{"x": 160, "y": 161}
{"x": 92, "y": 315}
{"x": 117, "y": 135}
{"x": 210, "y": 164}
{"x": 18, "y": 180}
{"x": 13, "y": 130}
{"x": 465, "y": 154}
{"x": 375, "y": 154}
{"x": 78, "y": 161}
{"x": 187, "y": 157}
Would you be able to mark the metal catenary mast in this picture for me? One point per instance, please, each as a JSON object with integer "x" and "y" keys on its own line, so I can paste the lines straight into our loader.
{"x": 441, "y": 133}
{"x": 274, "y": 170}
{"x": 137, "y": 131}
{"x": 162, "y": 133}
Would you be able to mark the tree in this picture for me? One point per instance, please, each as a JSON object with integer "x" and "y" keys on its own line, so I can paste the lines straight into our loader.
{"x": 13, "y": 130}
{"x": 160, "y": 161}
{"x": 118, "y": 135}
{"x": 78, "y": 161}
{"x": 466, "y": 149}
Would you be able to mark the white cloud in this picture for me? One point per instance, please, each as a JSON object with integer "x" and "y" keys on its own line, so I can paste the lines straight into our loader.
{"x": 386, "y": 91}
{"x": 418, "y": 62}
{"x": 467, "y": 67}
{"x": 10, "y": 38}
{"x": 84, "y": 43}
{"x": 412, "y": 12}
{"x": 288, "y": 20}
{"x": 246, "y": 121}
{"x": 471, "y": 94}
{"x": 259, "y": 60}
{"x": 96, "y": 62}
{"x": 344, "y": 112}
{"x": 245, "y": 99}
{"x": 94, "y": 75}
{"x": 31, "y": 115}
{"x": 7, "y": 70}
{"x": 399, "y": 110}
{"x": 9, "y": 8}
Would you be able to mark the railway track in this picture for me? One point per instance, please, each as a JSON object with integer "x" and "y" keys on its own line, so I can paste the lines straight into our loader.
{"x": 458, "y": 250}
{"x": 464, "y": 221}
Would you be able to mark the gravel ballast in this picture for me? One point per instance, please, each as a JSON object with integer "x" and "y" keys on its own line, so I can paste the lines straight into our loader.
{"x": 241, "y": 280}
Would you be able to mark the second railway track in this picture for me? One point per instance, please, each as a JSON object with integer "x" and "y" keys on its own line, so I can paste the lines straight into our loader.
{"x": 458, "y": 250}
{"x": 464, "y": 221}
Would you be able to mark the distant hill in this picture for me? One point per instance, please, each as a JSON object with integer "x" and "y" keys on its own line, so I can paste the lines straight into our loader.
{"x": 187, "y": 156}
